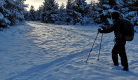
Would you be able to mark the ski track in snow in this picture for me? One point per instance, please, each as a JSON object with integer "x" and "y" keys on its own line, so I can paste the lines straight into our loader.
{"x": 39, "y": 51}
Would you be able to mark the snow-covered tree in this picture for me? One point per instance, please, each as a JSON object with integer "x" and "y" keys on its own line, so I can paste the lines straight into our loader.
{"x": 101, "y": 2}
{"x": 126, "y": 8}
{"x": 62, "y": 6}
{"x": 11, "y": 11}
{"x": 18, "y": 11}
{"x": 69, "y": 11}
{"x": 92, "y": 9}
{"x": 38, "y": 13}
{"x": 32, "y": 13}
{"x": 77, "y": 17}
{"x": 136, "y": 3}
{"x": 80, "y": 9}
{"x": 4, "y": 22}
{"x": 28, "y": 16}
{"x": 112, "y": 3}
{"x": 49, "y": 12}
{"x": 103, "y": 9}
{"x": 62, "y": 14}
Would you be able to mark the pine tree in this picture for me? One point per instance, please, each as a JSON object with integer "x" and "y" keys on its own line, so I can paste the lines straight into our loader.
{"x": 136, "y": 3}
{"x": 22, "y": 1}
{"x": 19, "y": 11}
{"x": 11, "y": 12}
{"x": 69, "y": 4}
{"x": 81, "y": 7}
{"x": 49, "y": 11}
{"x": 80, "y": 10}
{"x": 62, "y": 6}
{"x": 28, "y": 16}
{"x": 44, "y": 9}
{"x": 92, "y": 9}
{"x": 101, "y": 2}
{"x": 62, "y": 13}
{"x": 4, "y": 22}
{"x": 112, "y": 3}
{"x": 69, "y": 11}
{"x": 38, "y": 13}
{"x": 32, "y": 13}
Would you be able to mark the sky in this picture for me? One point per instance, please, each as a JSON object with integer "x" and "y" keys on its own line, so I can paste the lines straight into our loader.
{"x": 37, "y": 3}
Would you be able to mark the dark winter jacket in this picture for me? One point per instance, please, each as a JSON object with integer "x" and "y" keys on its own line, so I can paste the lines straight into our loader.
{"x": 118, "y": 28}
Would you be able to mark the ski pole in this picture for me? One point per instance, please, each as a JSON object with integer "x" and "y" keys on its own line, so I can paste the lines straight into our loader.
{"x": 100, "y": 46}
{"x": 92, "y": 47}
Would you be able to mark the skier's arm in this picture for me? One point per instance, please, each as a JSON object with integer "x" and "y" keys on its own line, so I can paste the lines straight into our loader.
{"x": 108, "y": 30}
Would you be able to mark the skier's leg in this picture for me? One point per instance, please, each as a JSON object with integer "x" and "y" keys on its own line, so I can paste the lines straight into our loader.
{"x": 122, "y": 54}
{"x": 115, "y": 55}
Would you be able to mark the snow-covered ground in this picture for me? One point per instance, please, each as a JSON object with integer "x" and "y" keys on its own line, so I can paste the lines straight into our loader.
{"x": 38, "y": 51}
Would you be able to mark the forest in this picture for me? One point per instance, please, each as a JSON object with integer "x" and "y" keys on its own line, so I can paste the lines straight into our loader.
{"x": 76, "y": 12}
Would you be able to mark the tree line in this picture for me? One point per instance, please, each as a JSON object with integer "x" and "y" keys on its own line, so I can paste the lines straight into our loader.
{"x": 78, "y": 11}
{"x": 74, "y": 13}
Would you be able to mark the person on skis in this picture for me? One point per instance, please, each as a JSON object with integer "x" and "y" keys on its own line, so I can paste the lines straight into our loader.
{"x": 119, "y": 47}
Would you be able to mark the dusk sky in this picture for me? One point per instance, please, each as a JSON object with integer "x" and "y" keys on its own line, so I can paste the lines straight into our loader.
{"x": 37, "y": 3}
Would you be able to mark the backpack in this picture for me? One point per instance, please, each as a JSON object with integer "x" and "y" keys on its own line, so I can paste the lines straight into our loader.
{"x": 128, "y": 30}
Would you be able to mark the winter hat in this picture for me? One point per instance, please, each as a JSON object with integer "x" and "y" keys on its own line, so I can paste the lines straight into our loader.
{"x": 115, "y": 15}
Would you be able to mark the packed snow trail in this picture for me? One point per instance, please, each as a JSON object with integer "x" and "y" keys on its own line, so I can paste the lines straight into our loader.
{"x": 39, "y": 51}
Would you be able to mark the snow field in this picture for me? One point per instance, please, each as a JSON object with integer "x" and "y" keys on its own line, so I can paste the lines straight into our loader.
{"x": 38, "y": 51}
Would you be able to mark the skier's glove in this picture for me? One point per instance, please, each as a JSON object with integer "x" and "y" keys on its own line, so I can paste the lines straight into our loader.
{"x": 99, "y": 30}
{"x": 103, "y": 28}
